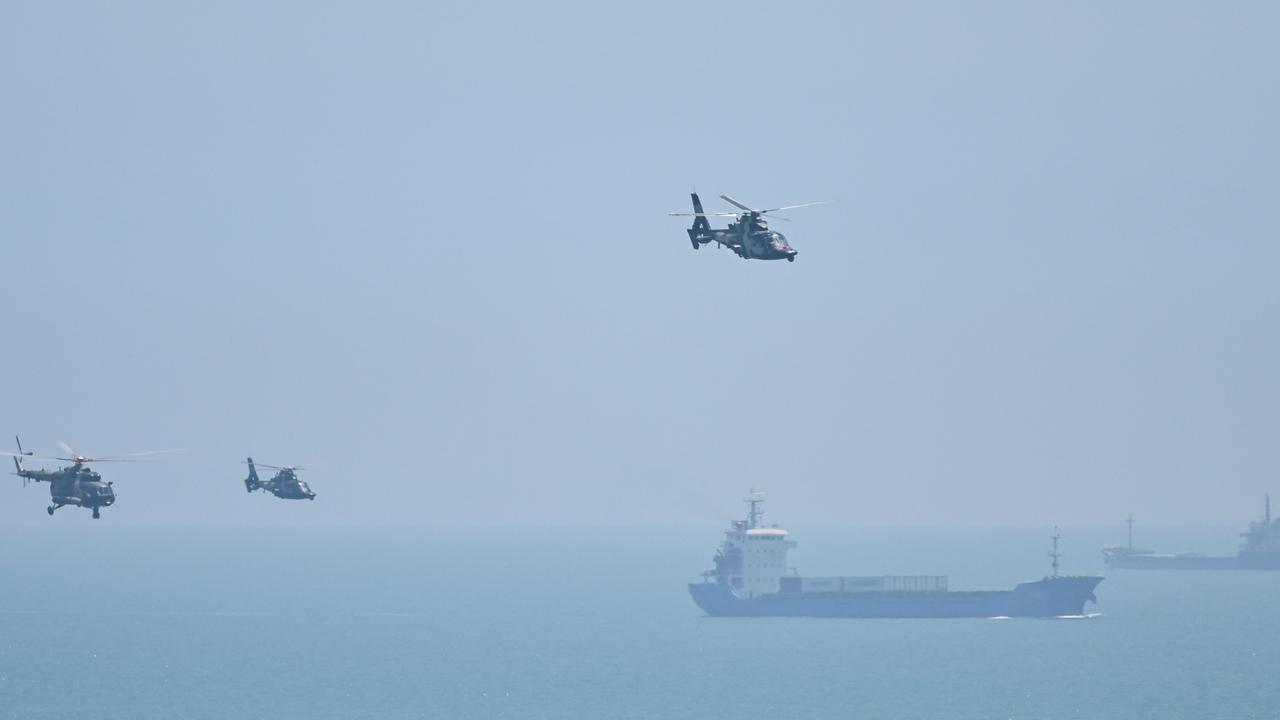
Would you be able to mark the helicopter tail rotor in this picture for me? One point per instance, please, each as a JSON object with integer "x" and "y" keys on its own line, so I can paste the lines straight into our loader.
{"x": 17, "y": 461}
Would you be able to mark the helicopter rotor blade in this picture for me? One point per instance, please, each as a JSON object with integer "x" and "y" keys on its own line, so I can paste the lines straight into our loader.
{"x": 128, "y": 457}
{"x": 793, "y": 207}
{"x": 736, "y": 204}
{"x": 73, "y": 456}
{"x": 156, "y": 452}
{"x": 703, "y": 214}
{"x": 29, "y": 456}
{"x": 274, "y": 467}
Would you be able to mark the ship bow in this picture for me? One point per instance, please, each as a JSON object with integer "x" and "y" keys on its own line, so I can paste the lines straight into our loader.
{"x": 1055, "y": 596}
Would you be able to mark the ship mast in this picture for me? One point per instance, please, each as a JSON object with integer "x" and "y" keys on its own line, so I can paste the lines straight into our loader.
{"x": 755, "y": 516}
{"x": 1130, "y": 531}
{"x": 1055, "y": 554}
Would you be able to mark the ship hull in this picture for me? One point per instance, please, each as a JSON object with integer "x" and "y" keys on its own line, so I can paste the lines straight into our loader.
{"x": 1051, "y": 597}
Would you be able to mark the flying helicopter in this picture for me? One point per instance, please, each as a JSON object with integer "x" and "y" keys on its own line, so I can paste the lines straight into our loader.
{"x": 749, "y": 236}
{"x": 285, "y": 484}
{"x": 75, "y": 485}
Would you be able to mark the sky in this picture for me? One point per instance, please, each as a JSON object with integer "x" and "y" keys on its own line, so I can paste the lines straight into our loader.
{"x": 423, "y": 250}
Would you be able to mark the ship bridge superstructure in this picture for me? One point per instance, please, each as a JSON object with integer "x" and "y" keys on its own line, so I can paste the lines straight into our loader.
{"x": 752, "y": 559}
{"x": 1263, "y": 537}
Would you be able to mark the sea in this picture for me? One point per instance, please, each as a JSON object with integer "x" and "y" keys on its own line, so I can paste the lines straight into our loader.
{"x": 98, "y": 621}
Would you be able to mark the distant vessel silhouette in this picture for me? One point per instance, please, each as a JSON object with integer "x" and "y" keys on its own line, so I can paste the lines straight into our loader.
{"x": 750, "y": 578}
{"x": 1260, "y": 551}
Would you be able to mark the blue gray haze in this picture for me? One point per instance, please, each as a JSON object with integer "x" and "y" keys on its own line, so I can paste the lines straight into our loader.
{"x": 423, "y": 250}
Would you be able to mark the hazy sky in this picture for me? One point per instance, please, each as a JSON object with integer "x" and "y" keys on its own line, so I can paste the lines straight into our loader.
{"x": 423, "y": 248}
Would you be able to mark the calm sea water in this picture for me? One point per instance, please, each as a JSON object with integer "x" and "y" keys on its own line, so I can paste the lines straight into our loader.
{"x": 105, "y": 622}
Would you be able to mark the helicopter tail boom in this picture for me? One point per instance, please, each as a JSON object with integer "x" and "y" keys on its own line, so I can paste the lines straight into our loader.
{"x": 700, "y": 233}
{"x": 252, "y": 482}
{"x": 17, "y": 460}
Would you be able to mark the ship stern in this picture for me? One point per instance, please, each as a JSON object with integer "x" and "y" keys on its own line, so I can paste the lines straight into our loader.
{"x": 715, "y": 599}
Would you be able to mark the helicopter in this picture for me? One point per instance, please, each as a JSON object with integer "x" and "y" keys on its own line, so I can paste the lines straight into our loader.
{"x": 285, "y": 484}
{"x": 75, "y": 485}
{"x": 749, "y": 236}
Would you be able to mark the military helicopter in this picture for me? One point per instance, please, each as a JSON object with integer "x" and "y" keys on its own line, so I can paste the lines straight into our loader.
{"x": 749, "y": 237}
{"x": 75, "y": 485}
{"x": 285, "y": 484}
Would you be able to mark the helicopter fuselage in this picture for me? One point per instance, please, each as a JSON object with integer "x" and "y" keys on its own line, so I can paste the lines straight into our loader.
{"x": 749, "y": 237}
{"x": 284, "y": 484}
{"x": 762, "y": 244}
{"x": 288, "y": 488}
{"x": 76, "y": 485}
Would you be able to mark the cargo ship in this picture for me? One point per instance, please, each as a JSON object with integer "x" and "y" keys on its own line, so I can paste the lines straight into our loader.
{"x": 1260, "y": 551}
{"x": 750, "y": 578}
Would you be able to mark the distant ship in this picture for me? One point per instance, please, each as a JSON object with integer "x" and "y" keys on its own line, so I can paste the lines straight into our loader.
{"x": 1260, "y": 551}
{"x": 750, "y": 579}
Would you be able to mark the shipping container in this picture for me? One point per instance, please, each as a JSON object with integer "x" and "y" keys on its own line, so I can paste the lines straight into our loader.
{"x": 862, "y": 584}
{"x": 820, "y": 584}
{"x": 874, "y": 583}
{"x": 915, "y": 583}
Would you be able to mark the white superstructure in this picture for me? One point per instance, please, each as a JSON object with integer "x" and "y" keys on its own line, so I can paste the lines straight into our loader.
{"x": 753, "y": 558}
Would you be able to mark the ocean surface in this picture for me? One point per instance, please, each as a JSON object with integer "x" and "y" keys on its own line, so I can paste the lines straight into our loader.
{"x": 99, "y": 621}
